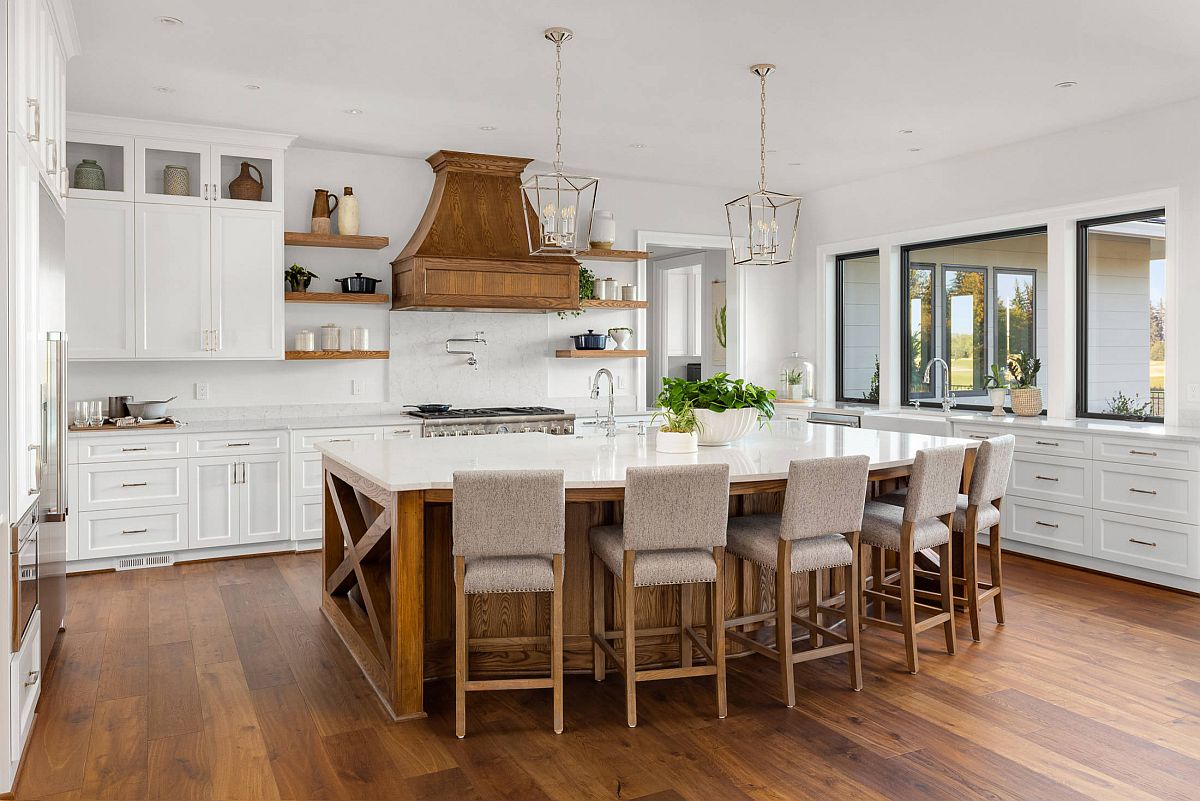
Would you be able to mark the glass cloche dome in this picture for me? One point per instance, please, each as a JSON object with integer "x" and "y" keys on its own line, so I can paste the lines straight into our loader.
{"x": 797, "y": 379}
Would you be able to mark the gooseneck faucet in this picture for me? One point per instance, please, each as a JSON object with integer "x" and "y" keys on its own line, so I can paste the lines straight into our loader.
{"x": 470, "y": 354}
{"x": 948, "y": 399}
{"x": 611, "y": 423}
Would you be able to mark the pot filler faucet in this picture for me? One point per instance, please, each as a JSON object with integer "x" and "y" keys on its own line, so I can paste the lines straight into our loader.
{"x": 470, "y": 354}
{"x": 611, "y": 423}
{"x": 948, "y": 399}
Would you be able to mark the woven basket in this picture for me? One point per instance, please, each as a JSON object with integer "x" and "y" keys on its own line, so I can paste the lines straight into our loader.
{"x": 1026, "y": 401}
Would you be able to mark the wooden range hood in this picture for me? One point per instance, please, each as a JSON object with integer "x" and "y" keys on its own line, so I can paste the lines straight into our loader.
{"x": 471, "y": 248}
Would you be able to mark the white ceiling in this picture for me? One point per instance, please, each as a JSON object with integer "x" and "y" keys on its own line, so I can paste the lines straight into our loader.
{"x": 964, "y": 75}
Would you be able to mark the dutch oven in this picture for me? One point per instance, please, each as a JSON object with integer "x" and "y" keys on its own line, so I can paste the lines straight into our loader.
{"x": 358, "y": 284}
{"x": 590, "y": 341}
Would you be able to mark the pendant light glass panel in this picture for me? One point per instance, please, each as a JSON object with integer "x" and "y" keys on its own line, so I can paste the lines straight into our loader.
{"x": 559, "y": 212}
{"x": 762, "y": 227}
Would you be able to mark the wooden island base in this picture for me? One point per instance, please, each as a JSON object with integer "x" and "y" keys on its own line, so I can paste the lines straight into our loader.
{"x": 388, "y": 588}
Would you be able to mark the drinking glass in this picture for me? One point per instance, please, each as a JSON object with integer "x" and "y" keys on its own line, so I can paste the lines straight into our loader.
{"x": 97, "y": 416}
{"x": 81, "y": 413}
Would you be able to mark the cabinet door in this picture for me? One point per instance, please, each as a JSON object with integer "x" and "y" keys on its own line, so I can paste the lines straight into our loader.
{"x": 25, "y": 341}
{"x": 173, "y": 306}
{"x": 100, "y": 273}
{"x": 265, "y": 165}
{"x": 23, "y": 41}
{"x": 247, "y": 284}
{"x": 264, "y": 498}
{"x": 153, "y": 156}
{"x": 214, "y": 507}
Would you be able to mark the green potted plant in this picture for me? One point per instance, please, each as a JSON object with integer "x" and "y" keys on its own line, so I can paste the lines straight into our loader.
{"x": 725, "y": 409}
{"x": 1130, "y": 408}
{"x": 996, "y": 385}
{"x": 678, "y": 431}
{"x": 587, "y": 288}
{"x": 872, "y": 394}
{"x": 1024, "y": 392}
{"x": 298, "y": 278}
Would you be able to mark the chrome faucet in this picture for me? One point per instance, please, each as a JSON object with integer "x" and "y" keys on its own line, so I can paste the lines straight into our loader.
{"x": 470, "y": 354}
{"x": 611, "y": 423}
{"x": 948, "y": 399}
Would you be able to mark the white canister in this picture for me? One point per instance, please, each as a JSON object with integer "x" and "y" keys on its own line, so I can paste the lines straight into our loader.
{"x": 604, "y": 230}
{"x": 347, "y": 212}
{"x": 306, "y": 340}
{"x": 331, "y": 337}
{"x": 359, "y": 338}
{"x": 628, "y": 292}
{"x": 609, "y": 289}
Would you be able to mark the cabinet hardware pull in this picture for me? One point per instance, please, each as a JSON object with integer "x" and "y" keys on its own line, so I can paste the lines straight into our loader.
{"x": 237, "y": 445}
{"x": 1143, "y": 453}
{"x": 1143, "y": 492}
{"x": 339, "y": 440}
{"x": 204, "y": 340}
{"x": 133, "y": 531}
{"x": 206, "y": 191}
{"x": 1041, "y": 442}
{"x": 216, "y": 339}
{"x": 1143, "y": 542}
{"x": 32, "y": 678}
{"x": 1047, "y": 525}
{"x": 129, "y": 450}
{"x": 32, "y": 102}
{"x": 134, "y": 484}
{"x": 973, "y": 436}
{"x": 1046, "y": 478}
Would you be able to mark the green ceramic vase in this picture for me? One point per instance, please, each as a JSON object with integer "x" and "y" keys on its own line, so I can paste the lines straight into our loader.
{"x": 89, "y": 175}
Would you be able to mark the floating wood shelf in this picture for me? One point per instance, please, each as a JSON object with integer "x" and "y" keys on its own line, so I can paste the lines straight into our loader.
{"x": 334, "y": 241}
{"x": 595, "y": 303}
{"x": 335, "y": 297}
{"x": 612, "y": 255}
{"x": 316, "y": 355}
{"x": 600, "y": 354}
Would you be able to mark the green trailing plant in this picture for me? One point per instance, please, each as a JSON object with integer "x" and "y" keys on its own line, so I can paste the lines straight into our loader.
{"x": 997, "y": 379}
{"x": 1124, "y": 406}
{"x": 1024, "y": 369}
{"x": 587, "y": 285}
{"x": 720, "y": 326}
{"x": 872, "y": 394}
{"x": 298, "y": 277}
{"x": 717, "y": 394}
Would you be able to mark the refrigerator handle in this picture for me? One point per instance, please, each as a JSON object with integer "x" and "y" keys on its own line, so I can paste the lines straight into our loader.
{"x": 56, "y": 413}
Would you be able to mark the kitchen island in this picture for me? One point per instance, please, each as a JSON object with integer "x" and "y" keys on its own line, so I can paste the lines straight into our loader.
{"x": 387, "y": 566}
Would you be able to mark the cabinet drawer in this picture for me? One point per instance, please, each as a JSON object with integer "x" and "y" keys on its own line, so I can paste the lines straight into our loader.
{"x": 127, "y": 447}
{"x": 1155, "y": 454}
{"x": 1051, "y": 478}
{"x": 307, "y": 441}
{"x": 1153, "y": 544}
{"x": 1149, "y": 491}
{"x": 237, "y": 444}
{"x": 132, "y": 531}
{"x": 25, "y": 686}
{"x": 1051, "y": 444}
{"x": 308, "y": 518}
{"x": 306, "y": 474}
{"x": 1064, "y": 528}
{"x": 114, "y": 485}
{"x": 402, "y": 432}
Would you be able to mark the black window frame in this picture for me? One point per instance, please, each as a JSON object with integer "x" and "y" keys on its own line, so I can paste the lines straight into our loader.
{"x": 1081, "y": 310}
{"x": 839, "y": 323}
{"x": 1023, "y": 271}
{"x": 986, "y": 272}
{"x": 905, "y": 335}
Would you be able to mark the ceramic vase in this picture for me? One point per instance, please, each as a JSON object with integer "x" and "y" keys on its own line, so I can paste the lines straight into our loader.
{"x": 89, "y": 175}
{"x": 996, "y": 396}
{"x": 177, "y": 180}
{"x": 245, "y": 186}
{"x": 604, "y": 230}
{"x": 619, "y": 336}
{"x": 723, "y": 428}
{"x": 675, "y": 442}
{"x": 347, "y": 212}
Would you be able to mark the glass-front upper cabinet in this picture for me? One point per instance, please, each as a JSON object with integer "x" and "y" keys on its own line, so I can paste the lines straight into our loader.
{"x": 199, "y": 174}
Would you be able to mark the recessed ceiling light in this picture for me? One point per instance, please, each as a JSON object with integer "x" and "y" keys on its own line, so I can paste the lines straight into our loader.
{"x": 166, "y": 90}
{"x": 772, "y": 151}
{"x": 253, "y": 87}
{"x": 905, "y": 130}
{"x": 914, "y": 150}
{"x": 354, "y": 111}
{"x": 1066, "y": 84}
{"x": 487, "y": 127}
{"x": 170, "y": 20}
{"x": 638, "y": 146}
{"x": 795, "y": 163}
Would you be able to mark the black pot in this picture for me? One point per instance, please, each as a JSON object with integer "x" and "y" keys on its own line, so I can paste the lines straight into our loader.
{"x": 358, "y": 284}
{"x": 590, "y": 341}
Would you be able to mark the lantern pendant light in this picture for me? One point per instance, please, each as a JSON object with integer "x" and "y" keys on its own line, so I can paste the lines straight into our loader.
{"x": 762, "y": 224}
{"x": 558, "y": 207}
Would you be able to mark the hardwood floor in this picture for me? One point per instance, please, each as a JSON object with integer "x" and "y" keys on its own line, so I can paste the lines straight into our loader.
{"x": 221, "y": 681}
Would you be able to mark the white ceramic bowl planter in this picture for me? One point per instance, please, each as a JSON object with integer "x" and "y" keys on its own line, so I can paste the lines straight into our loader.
{"x": 675, "y": 442}
{"x": 723, "y": 428}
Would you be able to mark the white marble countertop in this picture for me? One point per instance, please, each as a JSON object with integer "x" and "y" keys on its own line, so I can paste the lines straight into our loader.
{"x": 597, "y": 461}
{"x": 263, "y": 424}
{"x": 1083, "y": 425}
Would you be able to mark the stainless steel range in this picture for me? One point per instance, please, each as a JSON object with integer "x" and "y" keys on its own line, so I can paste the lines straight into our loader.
{"x": 495, "y": 420}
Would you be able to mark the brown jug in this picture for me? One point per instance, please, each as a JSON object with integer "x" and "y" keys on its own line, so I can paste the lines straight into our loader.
{"x": 245, "y": 187}
{"x": 322, "y": 209}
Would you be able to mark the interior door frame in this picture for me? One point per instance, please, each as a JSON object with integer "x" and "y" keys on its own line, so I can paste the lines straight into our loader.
{"x": 735, "y": 301}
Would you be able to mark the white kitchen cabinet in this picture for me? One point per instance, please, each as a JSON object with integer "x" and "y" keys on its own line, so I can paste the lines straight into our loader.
{"x": 37, "y": 86}
{"x": 308, "y": 517}
{"x": 247, "y": 285}
{"x": 173, "y": 307}
{"x": 117, "y": 485}
{"x": 266, "y": 164}
{"x": 130, "y": 532}
{"x": 264, "y": 500}
{"x": 101, "y": 276}
{"x": 238, "y": 500}
{"x": 113, "y": 153}
{"x": 27, "y": 351}
{"x": 24, "y": 54}
{"x": 153, "y": 156}
{"x": 24, "y": 687}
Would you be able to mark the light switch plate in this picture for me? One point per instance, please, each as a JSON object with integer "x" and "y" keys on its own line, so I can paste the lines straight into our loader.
{"x": 1193, "y": 393}
{"x": 355, "y": 386}
{"x": 201, "y": 390}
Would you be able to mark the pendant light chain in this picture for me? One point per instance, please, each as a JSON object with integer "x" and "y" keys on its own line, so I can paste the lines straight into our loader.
{"x": 762, "y": 131}
{"x": 558, "y": 167}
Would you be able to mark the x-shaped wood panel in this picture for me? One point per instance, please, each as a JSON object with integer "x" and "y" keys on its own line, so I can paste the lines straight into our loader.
{"x": 361, "y": 539}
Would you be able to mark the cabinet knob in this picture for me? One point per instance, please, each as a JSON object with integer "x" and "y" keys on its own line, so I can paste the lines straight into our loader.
{"x": 32, "y": 677}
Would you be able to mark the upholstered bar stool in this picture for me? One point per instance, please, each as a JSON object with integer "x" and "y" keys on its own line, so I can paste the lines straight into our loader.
{"x": 976, "y": 513}
{"x": 509, "y": 537}
{"x": 673, "y": 534}
{"x": 818, "y": 530}
{"x": 923, "y": 522}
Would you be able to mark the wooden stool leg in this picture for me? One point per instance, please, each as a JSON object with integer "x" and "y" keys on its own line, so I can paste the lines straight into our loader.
{"x": 556, "y": 643}
{"x": 862, "y": 577}
{"x": 460, "y": 649}
{"x": 630, "y": 633}
{"x": 852, "y": 613}
{"x": 783, "y": 621}
{"x": 908, "y": 611}
{"x": 946, "y": 558}
{"x": 997, "y": 580}
{"x": 877, "y": 572}
{"x": 814, "y": 614}
{"x": 685, "y": 622}
{"x": 599, "y": 579}
{"x": 719, "y": 630}
{"x": 971, "y": 575}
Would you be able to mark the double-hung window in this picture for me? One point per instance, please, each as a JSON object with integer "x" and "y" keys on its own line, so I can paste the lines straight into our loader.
{"x": 857, "y": 326}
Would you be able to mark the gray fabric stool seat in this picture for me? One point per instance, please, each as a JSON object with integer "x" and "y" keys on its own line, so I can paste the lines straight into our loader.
{"x": 882, "y": 523}
{"x": 509, "y": 535}
{"x": 673, "y": 533}
{"x": 986, "y": 517}
{"x": 817, "y": 530}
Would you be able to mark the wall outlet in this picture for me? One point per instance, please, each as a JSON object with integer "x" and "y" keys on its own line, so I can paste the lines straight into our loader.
{"x": 201, "y": 390}
{"x": 355, "y": 386}
{"x": 1193, "y": 393}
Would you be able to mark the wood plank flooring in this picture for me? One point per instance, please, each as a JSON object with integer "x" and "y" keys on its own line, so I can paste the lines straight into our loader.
{"x": 221, "y": 681}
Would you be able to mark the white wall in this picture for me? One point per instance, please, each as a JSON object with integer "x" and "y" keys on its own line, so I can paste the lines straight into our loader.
{"x": 1154, "y": 155}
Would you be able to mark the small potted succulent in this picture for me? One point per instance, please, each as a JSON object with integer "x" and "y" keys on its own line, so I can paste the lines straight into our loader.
{"x": 726, "y": 409}
{"x": 1024, "y": 392}
{"x": 678, "y": 431}
{"x": 298, "y": 278}
{"x": 996, "y": 385}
